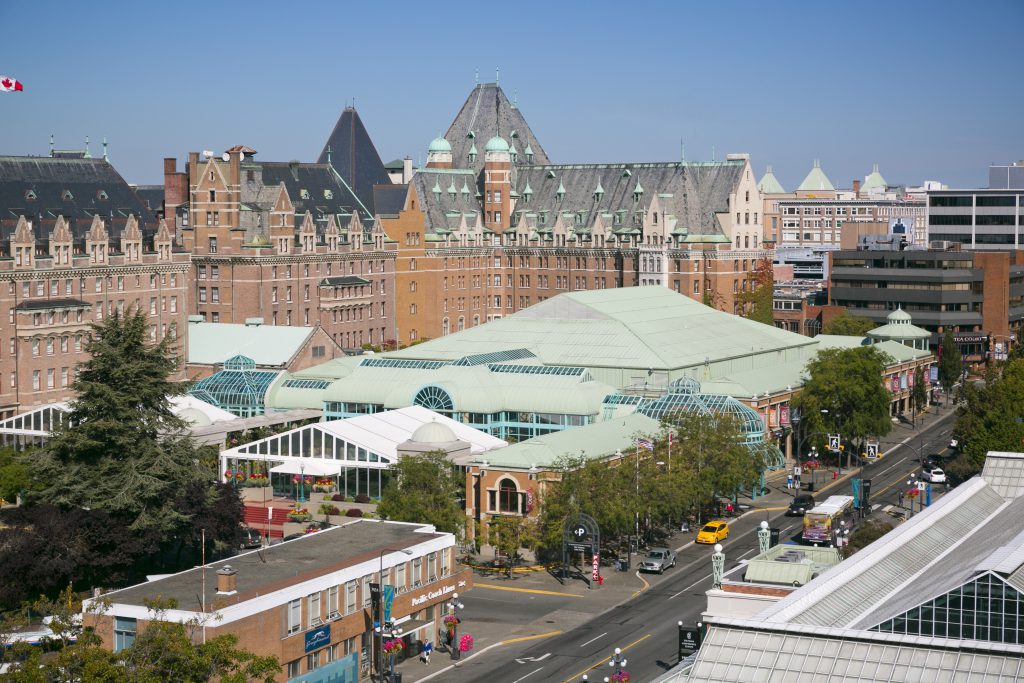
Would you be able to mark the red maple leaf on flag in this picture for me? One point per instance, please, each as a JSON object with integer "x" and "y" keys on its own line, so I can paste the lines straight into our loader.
{"x": 7, "y": 83}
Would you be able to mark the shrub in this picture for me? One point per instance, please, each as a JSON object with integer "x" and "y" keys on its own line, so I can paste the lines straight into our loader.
{"x": 338, "y": 497}
{"x": 362, "y": 498}
{"x": 328, "y": 509}
{"x": 354, "y": 512}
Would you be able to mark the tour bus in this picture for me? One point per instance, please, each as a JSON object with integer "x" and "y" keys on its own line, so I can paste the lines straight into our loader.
{"x": 821, "y": 521}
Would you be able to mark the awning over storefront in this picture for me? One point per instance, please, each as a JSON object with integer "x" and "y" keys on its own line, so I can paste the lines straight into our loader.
{"x": 309, "y": 467}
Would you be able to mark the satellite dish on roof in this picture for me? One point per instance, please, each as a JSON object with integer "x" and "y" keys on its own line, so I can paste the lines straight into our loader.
{"x": 225, "y": 156}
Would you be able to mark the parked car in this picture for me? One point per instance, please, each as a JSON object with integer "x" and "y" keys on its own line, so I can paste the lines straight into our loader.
{"x": 934, "y": 475}
{"x": 658, "y": 560}
{"x": 800, "y": 504}
{"x": 713, "y": 532}
{"x": 251, "y": 538}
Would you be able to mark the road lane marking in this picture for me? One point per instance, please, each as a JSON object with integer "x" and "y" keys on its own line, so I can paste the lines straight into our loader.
{"x": 747, "y": 553}
{"x": 593, "y": 639}
{"x": 575, "y": 677}
{"x": 524, "y": 660}
{"x": 524, "y": 638}
{"x": 705, "y": 578}
{"x": 527, "y": 675}
{"x": 646, "y": 585}
{"x": 536, "y": 591}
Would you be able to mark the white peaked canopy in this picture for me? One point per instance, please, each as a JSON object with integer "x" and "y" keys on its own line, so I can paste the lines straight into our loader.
{"x": 309, "y": 467}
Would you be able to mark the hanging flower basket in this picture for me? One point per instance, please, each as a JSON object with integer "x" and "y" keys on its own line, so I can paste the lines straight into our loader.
{"x": 450, "y": 622}
{"x": 393, "y": 646}
{"x": 466, "y": 643}
{"x": 621, "y": 677}
{"x": 299, "y": 515}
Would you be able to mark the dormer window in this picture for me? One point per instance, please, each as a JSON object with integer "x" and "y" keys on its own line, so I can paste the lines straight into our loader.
{"x": 102, "y": 195}
{"x": 30, "y": 195}
{"x": 66, "y": 196}
{"x": 304, "y": 194}
{"x": 328, "y": 194}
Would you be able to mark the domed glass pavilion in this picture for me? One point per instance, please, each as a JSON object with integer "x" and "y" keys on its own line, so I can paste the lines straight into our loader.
{"x": 899, "y": 328}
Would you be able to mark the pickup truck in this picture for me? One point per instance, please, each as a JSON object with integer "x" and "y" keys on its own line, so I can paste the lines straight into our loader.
{"x": 658, "y": 560}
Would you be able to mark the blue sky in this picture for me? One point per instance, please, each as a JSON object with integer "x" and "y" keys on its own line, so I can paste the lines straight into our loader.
{"x": 928, "y": 90}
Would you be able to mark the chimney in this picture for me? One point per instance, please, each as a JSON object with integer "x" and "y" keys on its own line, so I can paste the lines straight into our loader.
{"x": 226, "y": 584}
{"x": 406, "y": 170}
{"x": 856, "y": 187}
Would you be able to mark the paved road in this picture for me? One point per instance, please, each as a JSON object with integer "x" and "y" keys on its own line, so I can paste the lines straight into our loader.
{"x": 645, "y": 626}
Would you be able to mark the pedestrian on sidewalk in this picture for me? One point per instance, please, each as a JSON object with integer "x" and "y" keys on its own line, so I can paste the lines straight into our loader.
{"x": 428, "y": 647}
{"x": 789, "y": 482}
{"x": 900, "y": 498}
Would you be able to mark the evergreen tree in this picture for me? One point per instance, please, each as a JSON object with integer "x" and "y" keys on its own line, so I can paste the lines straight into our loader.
{"x": 950, "y": 363}
{"x": 425, "y": 488}
{"x": 919, "y": 396}
{"x": 991, "y": 418}
{"x": 121, "y": 448}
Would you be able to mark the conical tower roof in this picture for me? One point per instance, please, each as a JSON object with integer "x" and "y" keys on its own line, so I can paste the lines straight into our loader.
{"x": 354, "y": 157}
{"x": 487, "y": 114}
{"x": 770, "y": 184}
{"x": 874, "y": 181}
{"x": 816, "y": 180}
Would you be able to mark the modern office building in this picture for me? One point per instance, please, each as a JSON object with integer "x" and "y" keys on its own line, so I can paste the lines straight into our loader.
{"x": 940, "y": 598}
{"x": 978, "y": 295}
{"x": 1006, "y": 176}
{"x": 991, "y": 219}
{"x": 76, "y": 244}
{"x": 306, "y": 601}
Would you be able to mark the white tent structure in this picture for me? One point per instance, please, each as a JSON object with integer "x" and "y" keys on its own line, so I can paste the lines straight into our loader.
{"x": 34, "y": 427}
{"x": 355, "y": 451}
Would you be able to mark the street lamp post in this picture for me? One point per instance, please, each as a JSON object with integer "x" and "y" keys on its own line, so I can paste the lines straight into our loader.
{"x": 617, "y": 661}
{"x": 380, "y": 609}
{"x": 717, "y": 566}
{"x": 763, "y": 538}
{"x": 914, "y": 490}
{"x": 453, "y": 607}
{"x": 393, "y": 632}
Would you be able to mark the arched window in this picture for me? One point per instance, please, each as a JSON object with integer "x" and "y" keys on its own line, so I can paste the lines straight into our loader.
{"x": 434, "y": 398}
{"x": 508, "y": 496}
{"x": 445, "y": 327}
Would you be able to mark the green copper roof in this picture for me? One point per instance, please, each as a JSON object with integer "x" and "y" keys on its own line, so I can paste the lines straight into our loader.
{"x": 561, "y": 189}
{"x": 598, "y": 191}
{"x": 451, "y": 187}
{"x": 472, "y": 150}
{"x": 638, "y": 189}
{"x": 526, "y": 190}
{"x": 465, "y": 187}
{"x": 267, "y": 345}
{"x": 496, "y": 144}
{"x": 770, "y": 184}
{"x": 874, "y": 181}
{"x": 439, "y": 144}
{"x": 816, "y": 180}
{"x": 528, "y": 151}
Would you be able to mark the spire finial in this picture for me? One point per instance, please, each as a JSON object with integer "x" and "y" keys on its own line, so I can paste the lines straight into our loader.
{"x": 51, "y": 144}
{"x": 105, "y": 158}
{"x": 88, "y": 155}
{"x": 476, "y": 77}
{"x": 497, "y": 75}
{"x": 328, "y": 155}
{"x": 682, "y": 151}
{"x": 712, "y": 152}
{"x": 769, "y": 168}
{"x": 515, "y": 98}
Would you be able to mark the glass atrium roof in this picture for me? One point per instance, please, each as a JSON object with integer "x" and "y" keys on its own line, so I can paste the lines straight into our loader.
{"x": 239, "y": 388}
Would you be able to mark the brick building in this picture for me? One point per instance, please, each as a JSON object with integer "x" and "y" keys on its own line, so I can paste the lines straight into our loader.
{"x": 491, "y": 226}
{"x": 288, "y": 242}
{"x": 76, "y": 244}
{"x": 306, "y": 601}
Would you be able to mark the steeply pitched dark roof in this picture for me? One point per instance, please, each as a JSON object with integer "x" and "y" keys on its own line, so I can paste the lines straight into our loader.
{"x": 151, "y": 195}
{"x": 344, "y": 281}
{"x": 44, "y": 304}
{"x": 43, "y": 188}
{"x": 354, "y": 157}
{"x": 388, "y": 200}
{"x": 487, "y": 112}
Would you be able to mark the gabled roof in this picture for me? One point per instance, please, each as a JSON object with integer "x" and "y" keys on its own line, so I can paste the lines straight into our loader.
{"x": 816, "y": 180}
{"x": 269, "y": 345}
{"x": 388, "y": 200}
{"x": 770, "y": 184}
{"x": 487, "y": 113}
{"x": 354, "y": 157}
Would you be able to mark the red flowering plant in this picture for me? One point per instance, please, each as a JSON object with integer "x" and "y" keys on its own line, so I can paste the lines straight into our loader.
{"x": 393, "y": 646}
{"x": 257, "y": 479}
{"x": 466, "y": 643}
{"x": 450, "y": 621}
{"x": 325, "y": 486}
{"x": 299, "y": 515}
{"x": 621, "y": 677}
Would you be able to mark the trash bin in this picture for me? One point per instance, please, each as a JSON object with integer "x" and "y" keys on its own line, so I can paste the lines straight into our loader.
{"x": 810, "y": 486}
{"x": 396, "y": 677}
{"x": 624, "y": 565}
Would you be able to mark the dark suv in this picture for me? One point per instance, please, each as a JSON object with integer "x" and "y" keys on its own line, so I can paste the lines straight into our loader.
{"x": 800, "y": 504}
{"x": 251, "y": 538}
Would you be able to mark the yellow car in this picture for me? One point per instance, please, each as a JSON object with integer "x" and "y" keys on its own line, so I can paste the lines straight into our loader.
{"x": 713, "y": 532}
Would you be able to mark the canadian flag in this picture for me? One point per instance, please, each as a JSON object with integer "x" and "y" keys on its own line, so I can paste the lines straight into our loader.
{"x": 8, "y": 84}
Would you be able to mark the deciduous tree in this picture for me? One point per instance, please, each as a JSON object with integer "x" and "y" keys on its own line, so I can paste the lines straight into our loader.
{"x": 848, "y": 384}
{"x": 989, "y": 419}
{"x": 425, "y": 488}
{"x": 759, "y": 301}
{"x": 950, "y": 363}
{"x": 848, "y": 324}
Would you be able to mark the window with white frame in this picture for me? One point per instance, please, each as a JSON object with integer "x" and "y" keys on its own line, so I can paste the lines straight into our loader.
{"x": 294, "y": 616}
{"x": 332, "y": 602}
{"x": 313, "y": 609}
{"x": 350, "y": 597}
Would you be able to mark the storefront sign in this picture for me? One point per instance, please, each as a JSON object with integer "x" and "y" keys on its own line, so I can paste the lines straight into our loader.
{"x": 784, "y": 414}
{"x": 970, "y": 338}
{"x": 596, "y": 566}
{"x": 318, "y": 638}
{"x": 689, "y": 640}
{"x": 424, "y": 597}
